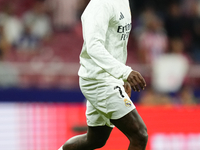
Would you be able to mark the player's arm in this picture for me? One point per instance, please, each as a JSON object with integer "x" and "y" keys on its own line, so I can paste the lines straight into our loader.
{"x": 95, "y": 25}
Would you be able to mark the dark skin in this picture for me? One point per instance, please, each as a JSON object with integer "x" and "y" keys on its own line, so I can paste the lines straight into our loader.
{"x": 127, "y": 88}
{"x": 136, "y": 81}
{"x": 131, "y": 125}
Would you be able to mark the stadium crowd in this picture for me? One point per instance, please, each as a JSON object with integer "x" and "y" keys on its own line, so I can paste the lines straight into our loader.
{"x": 165, "y": 33}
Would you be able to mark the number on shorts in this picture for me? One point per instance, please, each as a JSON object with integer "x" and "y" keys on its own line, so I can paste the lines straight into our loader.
{"x": 120, "y": 91}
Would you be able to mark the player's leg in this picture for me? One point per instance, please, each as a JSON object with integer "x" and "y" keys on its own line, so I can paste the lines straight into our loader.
{"x": 96, "y": 137}
{"x": 134, "y": 128}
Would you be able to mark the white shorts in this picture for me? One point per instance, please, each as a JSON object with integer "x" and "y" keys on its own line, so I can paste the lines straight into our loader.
{"x": 105, "y": 101}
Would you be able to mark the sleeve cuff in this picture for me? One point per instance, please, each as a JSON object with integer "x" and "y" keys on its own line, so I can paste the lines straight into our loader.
{"x": 126, "y": 73}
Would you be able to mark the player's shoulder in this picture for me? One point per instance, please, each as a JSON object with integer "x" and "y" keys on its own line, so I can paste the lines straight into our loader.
{"x": 98, "y": 5}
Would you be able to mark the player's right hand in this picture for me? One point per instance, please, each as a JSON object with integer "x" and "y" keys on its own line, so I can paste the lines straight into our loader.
{"x": 136, "y": 81}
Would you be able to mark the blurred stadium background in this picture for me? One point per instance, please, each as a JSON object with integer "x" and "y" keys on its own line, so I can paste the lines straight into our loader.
{"x": 41, "y": 105}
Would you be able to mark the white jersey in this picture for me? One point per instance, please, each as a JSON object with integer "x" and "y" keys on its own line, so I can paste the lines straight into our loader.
{"x": 106, "y": 26}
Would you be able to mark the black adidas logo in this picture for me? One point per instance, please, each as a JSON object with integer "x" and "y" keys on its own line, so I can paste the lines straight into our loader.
{"x": 121, "y": 16}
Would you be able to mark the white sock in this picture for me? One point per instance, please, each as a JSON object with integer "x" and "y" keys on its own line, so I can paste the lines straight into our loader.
{"x": 61, "y": 148}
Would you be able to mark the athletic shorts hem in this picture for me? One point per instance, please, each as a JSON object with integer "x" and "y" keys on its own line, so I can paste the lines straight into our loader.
{"x": 122, "y": 115}
{"x": 99, "y": 125}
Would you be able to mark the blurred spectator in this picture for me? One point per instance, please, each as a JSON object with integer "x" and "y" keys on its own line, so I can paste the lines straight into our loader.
{"x": 170, "y": 70}
{"x": 152, "y": 98}
{"x": 81, "y": 6}
{"x": 38, "y": 22}
{"x": 175, "y": 23}
{"x": 28, "y": 41}
{"x": 11, "y": 24}
{"x": 8, "y": 75}
{"x": 64, "y": 13}
{"x": 137, "y": 6}
{"x": 177, "y": 48}
{"x": 186, "y": 96}
{"x": 152, "y": 40}
{"x": 188, "y": 7}
{"x": 4, "y": 45}
{"x": 194, "y": 27}
{"x": 140, "y": 23}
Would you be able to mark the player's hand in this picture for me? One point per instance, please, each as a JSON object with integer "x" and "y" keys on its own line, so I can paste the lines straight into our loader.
{"x": 136, "y": 81}
{"x": 127, "y": 88}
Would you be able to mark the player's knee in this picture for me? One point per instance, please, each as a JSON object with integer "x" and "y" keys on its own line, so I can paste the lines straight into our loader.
{"x": 141, "y": 136}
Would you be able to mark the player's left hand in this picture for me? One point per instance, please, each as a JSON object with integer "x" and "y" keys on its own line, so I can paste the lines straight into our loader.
{"x": 127, "y": 88}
